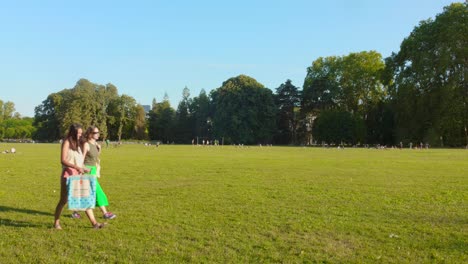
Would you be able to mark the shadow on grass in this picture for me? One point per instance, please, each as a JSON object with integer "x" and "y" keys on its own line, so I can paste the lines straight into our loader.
{"x": 26, "y": 211}
{"x": 16, "y": 223}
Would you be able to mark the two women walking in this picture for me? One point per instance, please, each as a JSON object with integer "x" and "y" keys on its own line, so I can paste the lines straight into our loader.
{"x": 91, "y": 151}
{"x": 79, "y": 157}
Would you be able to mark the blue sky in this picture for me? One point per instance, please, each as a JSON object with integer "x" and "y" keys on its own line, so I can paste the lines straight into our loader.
{"x": 147, "y": 48}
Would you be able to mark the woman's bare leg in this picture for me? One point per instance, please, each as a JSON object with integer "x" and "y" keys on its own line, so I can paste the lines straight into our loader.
{"x": 91, "y": 217}
{"x": 103, "y": 210}
{"x": 62, "y": 202}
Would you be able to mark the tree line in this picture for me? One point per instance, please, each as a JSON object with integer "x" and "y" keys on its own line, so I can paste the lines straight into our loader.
{"x": 12, "y": 125}
{"x": 416, "y": 95}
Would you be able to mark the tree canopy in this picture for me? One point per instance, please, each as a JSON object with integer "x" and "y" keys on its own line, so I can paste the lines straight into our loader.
{"x": 244, "y": 111}
{"x": 430, "y": 90}
{"x": 86, "y": 103}
{"x": 12, "y": 125}
{"x": 418, "y": 94}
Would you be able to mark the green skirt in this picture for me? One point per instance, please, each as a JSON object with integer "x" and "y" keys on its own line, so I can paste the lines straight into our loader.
{"x": 101, "y": 198}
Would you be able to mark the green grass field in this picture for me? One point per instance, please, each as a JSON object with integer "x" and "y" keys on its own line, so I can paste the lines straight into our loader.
{"x": 243, "y": 205}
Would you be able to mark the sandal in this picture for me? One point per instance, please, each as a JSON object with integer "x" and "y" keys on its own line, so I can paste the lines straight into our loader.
{"x": 98, "y": 226}
{"x": 58, "y": 227}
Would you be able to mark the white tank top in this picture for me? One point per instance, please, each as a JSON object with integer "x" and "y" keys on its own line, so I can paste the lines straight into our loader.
{"x": 75, "y": 157}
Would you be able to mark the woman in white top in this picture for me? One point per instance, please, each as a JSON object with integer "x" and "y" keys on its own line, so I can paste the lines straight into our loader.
{"x": 72, "y": 164}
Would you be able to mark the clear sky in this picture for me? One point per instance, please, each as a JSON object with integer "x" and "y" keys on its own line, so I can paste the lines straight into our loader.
{"x": 147, "y": 48}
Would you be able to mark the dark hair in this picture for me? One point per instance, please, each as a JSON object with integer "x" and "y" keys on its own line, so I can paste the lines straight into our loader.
{"x": 86, "y": 135}
{"x": 72, "y": 136}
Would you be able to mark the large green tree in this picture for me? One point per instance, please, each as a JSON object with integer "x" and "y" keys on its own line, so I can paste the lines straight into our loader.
{"x": 184, "y": 119}
{"x": 337, "y": 127}
{"x": 104, "y": 95}
{"x": 161, "y": 121}
{"x": 86, "y": 103}
{"x": 139, "y": 128}
{"x": 7, "y": 110}
{"x": 123, "y": 112}
{"x": 152, "y": 131}
{"x": 201, "y": 109}
{"x": 244, "y": 111}
{"x": 430, "y": 90}
{"x": 47, "y": 118}
{"x": 351, "y": 83}
{"x": 321, "y": 89}
{"x": 17, "y": 128}
{"x": 287, "y": 99}
{"x": 12, "y": 126}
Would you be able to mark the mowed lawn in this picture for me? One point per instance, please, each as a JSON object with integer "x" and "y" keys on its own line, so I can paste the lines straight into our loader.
{"x": 242, "y": 205}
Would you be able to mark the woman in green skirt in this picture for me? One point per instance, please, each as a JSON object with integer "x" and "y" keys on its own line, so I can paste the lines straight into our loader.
{"x": 91, "y": 152}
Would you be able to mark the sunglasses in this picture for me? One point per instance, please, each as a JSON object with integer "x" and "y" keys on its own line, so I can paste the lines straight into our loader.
{"x": 95, "y": 132}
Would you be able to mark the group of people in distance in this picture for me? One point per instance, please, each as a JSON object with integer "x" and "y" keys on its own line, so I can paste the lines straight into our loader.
{"x": 79, "y": 155}
{"x": 12, "y": 151}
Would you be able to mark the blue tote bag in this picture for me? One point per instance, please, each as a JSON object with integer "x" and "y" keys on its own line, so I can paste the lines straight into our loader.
{"x": 81, "y": 192}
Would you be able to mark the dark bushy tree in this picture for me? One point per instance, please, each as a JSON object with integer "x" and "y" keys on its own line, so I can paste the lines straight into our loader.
{"x": 46, "y": 118}
{"x": 350, "y": 83}
{"x": 161, "y": 122}
{"x": 287, "y": 99}
{"x": 184, "y": 119}
{"x": 430, "y": 90}
{"x": 201, "y": 110}
{"x": 86, "y": 103}
{"x": 336, "y": 127}
{"x": 244, "y": 111}
{"x": 139, "y": 129}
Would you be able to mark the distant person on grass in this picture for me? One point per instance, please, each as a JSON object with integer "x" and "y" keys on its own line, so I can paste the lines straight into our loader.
{"x": 71, "y": 159}
{"x": 91, "y": 152}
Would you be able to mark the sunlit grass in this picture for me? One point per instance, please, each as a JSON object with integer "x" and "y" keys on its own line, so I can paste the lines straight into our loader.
{"x": 257, "y": 205}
